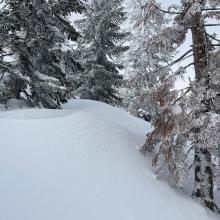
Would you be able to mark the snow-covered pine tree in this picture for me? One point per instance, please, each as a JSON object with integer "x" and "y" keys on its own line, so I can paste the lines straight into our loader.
{"x": 194, "y": 114}
{"x": 144, "y": 58}
{"x": 35, "y": 63}
{"x": 99, "y": 45}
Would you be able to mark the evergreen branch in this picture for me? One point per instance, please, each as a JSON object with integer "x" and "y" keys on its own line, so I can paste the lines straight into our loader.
{"x": 70, "y": 27}
{"x": 185, "y": 10}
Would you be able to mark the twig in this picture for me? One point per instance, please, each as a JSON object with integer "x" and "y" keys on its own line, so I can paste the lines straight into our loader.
{"x": 182, "y": 96}
{"x": 2, "y": 76}
{"x": 212, "y": 37}
{"x": 216, "y": 45}
{"x": 181, "y": 58}
{"x": 210, "y": 25}
{"x": 210, "y": 9}
{"x": 4, "y": 55}
{"x": 184, "y": 56}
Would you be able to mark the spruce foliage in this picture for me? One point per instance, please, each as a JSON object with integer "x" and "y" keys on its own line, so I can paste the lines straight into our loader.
{"x": 34, "y": 63}
{"x": 99, "y": 46}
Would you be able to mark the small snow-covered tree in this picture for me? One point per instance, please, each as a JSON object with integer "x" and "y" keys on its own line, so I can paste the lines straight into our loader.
{"x": 99, "y": 45}
{"x": 35, "y": 62}
{"x": 144, "y": 58}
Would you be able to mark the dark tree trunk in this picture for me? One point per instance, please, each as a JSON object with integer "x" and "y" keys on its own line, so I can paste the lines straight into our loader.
{"x": 204, "y": 178}
{"x": 197, "y": 161}
{"x": 16, "y": 88}
{"x": 200, "y": 49}
{"x": 209, "y": 200}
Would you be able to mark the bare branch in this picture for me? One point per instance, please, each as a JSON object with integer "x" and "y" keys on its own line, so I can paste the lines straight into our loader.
{"x": 210, "y": 9}
{"x": 181, "y": 58}
{"x": 188, "y": 90}
{"x": 2, "y": 76}
{"x": 184, "y": 56}
{"x": 212, "y": 37}
{"x": 216, "y": 45}
{"x": 187, "y": 66}
{"x": 4, "y": 55}
{"x": 210, "y": 25}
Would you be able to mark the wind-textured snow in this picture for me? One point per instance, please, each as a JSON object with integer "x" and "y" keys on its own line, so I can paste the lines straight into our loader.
{"x": 82, "y": 163}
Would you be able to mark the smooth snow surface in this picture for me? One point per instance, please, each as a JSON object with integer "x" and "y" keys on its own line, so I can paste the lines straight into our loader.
{"x": 82, "y": 163}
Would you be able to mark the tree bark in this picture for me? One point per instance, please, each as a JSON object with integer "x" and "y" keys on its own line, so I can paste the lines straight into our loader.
{"x": 209, "y": 199}
{"x": 16, "y": 87}
{"x": 203, "y": 178}
{"x": 197, "y": 161}
{"x": 200, "y": 49}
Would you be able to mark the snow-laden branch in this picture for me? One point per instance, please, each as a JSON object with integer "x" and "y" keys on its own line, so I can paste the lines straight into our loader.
{"x": 182, "y": 12}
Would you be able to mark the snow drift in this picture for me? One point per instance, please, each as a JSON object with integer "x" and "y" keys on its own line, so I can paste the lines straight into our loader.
{"x": 82, "y": 163}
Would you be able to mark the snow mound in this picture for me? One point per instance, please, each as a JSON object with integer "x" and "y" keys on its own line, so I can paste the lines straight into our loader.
{"x": 28, "y": 114}
{"x": 82, "y": 164}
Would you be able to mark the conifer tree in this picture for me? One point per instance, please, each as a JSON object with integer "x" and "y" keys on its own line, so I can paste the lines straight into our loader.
{"x": 144, "y": 57}
{"x": 35, "y": 64}
{"x": 192, "y": 114}
{"x": 99, "y": 45}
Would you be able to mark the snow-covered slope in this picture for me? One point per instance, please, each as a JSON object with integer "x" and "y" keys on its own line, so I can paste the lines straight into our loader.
{"x": 82, "y": 163}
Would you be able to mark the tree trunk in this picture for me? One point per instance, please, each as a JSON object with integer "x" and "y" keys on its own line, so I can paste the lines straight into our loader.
{"x": 197, "y": 162}
{"x": 203, "y": 178}
{"x": 200, "y": 49}
{"x": 16, "y": 87}
{"x": 209, "y": 185}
